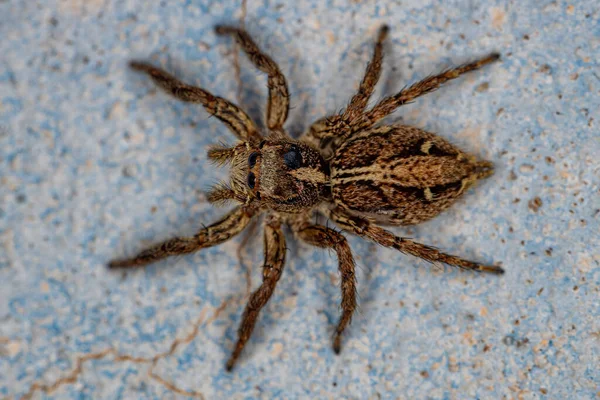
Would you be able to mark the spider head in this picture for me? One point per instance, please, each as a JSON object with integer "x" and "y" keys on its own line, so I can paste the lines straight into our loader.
{"x": 284, "y": 175}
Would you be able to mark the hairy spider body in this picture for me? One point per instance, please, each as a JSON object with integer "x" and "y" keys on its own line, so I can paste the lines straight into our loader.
{"x": 345, "y": 167}
{"x": 400, "y": 175}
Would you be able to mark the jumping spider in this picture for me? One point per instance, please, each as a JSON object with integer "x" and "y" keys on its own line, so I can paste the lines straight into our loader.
{"x": 345, "y": 167}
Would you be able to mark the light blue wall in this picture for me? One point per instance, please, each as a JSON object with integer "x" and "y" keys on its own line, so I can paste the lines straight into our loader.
{"x": 95, "y": 163}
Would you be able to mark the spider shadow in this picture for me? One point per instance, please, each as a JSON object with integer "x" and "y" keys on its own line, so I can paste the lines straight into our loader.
{"x": 252, "y": 92}
{"x": 287, "y": 286}
{"x": 368, "y": 287}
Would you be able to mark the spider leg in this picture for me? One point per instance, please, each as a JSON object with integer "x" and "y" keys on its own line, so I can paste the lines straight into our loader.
{"x": 279, "y": 103}
{"x": 329, "y": 127}
{"x": 364, "y": 228}
{"x": 231, "y": 115}
{"x": 407, "y": 95}
{"x": 274, "y": 249}
{"x": 324, "y": 237}
{"x": 217, "y": 233}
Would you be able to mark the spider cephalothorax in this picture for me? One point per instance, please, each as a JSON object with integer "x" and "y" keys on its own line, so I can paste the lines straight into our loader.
{"x": 355, "y": 173}
{"x": 280, "y": 174}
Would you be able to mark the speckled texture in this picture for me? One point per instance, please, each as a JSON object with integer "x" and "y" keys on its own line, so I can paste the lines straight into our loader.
{"x": 95, "y": 163}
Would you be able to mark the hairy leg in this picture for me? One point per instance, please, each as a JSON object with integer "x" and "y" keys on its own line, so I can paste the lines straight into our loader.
{"x": 320, "y": 236}
{"x": 362, "y": 227}
{"x": 427, "y": 85}
{"x": 274, "y": 249}
{"x": 278, "y": 104}
{"x": 329, "y": 127}
{"x": 217, "y": 233}
{"x": 231, "y": 115}
{"x": 367, "y": 86}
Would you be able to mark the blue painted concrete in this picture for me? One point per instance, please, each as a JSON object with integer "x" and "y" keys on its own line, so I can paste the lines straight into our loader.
{"x": 95, "y": 163}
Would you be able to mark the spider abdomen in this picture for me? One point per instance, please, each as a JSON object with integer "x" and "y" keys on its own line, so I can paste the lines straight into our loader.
{"x": 400, "y": 175}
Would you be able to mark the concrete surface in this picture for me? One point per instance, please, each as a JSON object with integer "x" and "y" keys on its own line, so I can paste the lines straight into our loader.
{"x": 95, "y": 163}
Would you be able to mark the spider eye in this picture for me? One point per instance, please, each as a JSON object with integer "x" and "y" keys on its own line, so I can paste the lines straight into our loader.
{"x": 293, "y": 158}
{"x": 252, "y": 160}
{"x": 251, "y": 180}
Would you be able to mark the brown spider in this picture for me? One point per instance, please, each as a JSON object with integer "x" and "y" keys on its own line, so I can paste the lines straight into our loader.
{"x": 346, "y": 168}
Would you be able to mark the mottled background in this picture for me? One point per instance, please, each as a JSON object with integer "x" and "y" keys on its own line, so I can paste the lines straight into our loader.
{"x": 96, "y": 163}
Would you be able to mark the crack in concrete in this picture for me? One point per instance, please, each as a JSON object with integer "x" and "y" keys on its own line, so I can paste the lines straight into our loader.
{"x": 78, "y": 370}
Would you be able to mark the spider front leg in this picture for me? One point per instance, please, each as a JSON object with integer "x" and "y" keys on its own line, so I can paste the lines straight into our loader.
{"x": 274, "y": 249}
{"x": 364, "y": 228}
{"x": 329, "y": 127}
{"x": 217, "y": 233}
{"x": 231, "y": 115}
{"x": 324, "y": 237}
{"x": 279, "y": 103}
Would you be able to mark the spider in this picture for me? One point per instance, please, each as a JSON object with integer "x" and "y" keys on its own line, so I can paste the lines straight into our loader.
{"x": 345, "y": 167}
